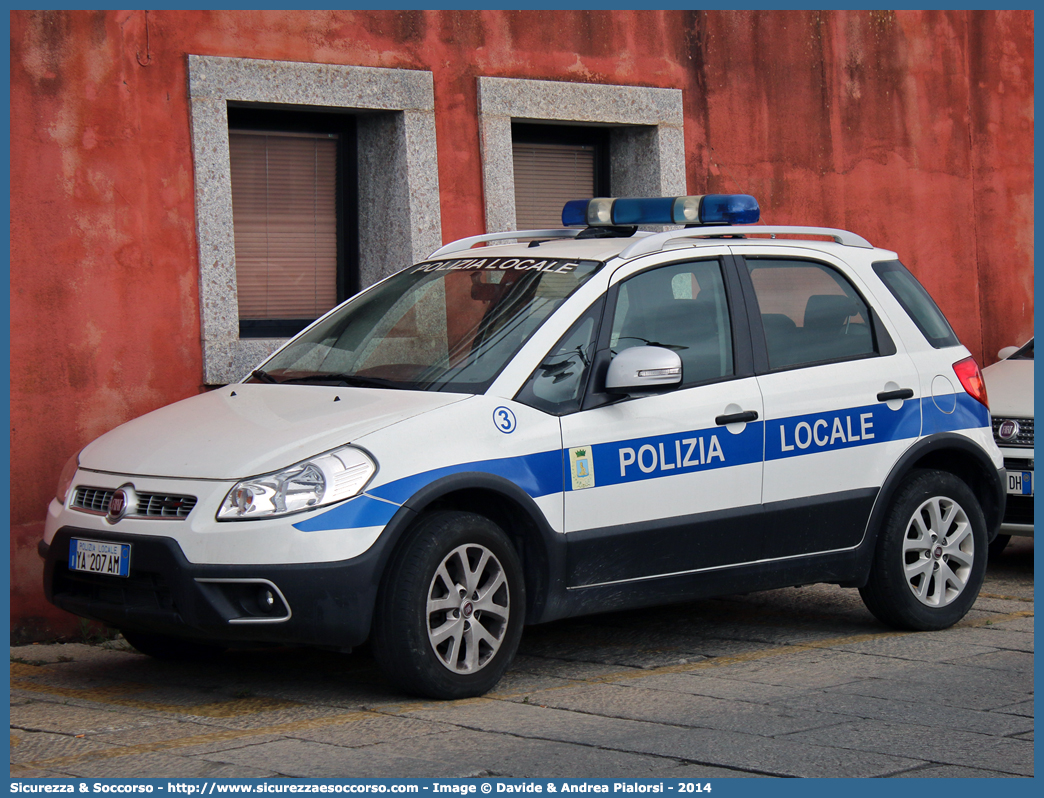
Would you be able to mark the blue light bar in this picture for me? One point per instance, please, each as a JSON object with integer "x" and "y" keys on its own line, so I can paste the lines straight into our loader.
{"x": 640, "y": 211}
{"x": 729, "y": 209}
{"x": 696, "y": 210}
{"x": 574, "y": 212}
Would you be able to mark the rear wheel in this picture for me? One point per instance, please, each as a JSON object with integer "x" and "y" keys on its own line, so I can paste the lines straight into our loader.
{"x": 171, "y": 648}
{"x": 931, "y": 554}
{"x": 450, "y": 608}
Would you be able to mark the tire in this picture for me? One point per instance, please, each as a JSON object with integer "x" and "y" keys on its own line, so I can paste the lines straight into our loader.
{"x": 931, "y": 554}
{"x": 1000, "y": 543}
{"x": 171, "y": 648}
{"x": 450, "y": 608}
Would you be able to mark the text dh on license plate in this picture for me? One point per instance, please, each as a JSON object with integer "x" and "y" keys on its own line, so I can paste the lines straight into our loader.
{"x": 1020, "y": 483}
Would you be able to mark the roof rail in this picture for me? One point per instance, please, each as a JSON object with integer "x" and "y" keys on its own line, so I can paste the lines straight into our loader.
{"x": 655, "y": 243}
{"x": 508, "y": 235}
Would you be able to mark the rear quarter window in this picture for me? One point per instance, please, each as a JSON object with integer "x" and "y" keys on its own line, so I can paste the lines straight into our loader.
{"x": 917, "y": 303}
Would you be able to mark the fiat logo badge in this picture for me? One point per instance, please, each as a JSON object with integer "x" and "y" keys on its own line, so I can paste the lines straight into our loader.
{"x": 120, "y": 504}
{"x": 1008, "y": 429}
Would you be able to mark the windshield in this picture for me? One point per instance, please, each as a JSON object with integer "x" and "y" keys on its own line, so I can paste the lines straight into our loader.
{"x": 440, "y": 325}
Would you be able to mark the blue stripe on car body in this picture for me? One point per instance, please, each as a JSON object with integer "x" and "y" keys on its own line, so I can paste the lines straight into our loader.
{"x": 544, "y": 473}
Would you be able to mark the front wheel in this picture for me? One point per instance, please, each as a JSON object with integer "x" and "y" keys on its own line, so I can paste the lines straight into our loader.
{"x": 450, "y": 608}
{"x": 931, "y": 554}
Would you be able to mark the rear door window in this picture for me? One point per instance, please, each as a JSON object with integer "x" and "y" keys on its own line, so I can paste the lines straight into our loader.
{"x": 810, "y": 313}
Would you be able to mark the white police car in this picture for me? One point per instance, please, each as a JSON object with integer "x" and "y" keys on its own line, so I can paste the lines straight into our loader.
{"x": 592, "y": 419}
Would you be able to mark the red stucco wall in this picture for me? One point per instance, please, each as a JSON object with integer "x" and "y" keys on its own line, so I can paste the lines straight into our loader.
{"x": 914, "y": 129}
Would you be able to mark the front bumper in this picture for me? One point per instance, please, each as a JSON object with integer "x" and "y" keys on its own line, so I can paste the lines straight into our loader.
{"x": 325, "y": 604}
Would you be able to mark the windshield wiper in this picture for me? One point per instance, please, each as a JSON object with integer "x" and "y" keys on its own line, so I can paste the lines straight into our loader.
{"x": 263, "y": 376}
{"x": 345, "y": 379}
{"x": 647, "y": 342}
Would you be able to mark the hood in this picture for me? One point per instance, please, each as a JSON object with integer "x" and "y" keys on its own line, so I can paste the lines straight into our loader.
{"x": 243, "y": 430}
{"x": 1009, "y": 386}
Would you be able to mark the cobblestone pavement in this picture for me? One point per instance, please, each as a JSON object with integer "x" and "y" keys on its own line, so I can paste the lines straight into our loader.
{"x": 795, "y": 682}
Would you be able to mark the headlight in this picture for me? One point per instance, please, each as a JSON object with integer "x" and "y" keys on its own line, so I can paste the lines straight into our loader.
{"x": 65, "y": 480}
{"x": 325, "y": 479}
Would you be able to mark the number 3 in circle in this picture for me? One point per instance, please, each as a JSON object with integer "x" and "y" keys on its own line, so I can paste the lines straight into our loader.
{"x": 504, "y": 420}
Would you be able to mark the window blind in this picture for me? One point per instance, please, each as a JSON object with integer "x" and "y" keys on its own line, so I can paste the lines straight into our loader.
{"x": 546, "y": 177}
{"x": 284, "y": 211}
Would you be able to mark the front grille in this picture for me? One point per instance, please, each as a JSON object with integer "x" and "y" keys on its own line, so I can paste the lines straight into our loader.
{"x": 92, "y": 500}
{"x": 1024, "y": 437}
{"x": 158, "y": 505}
{"x": 150, "y": 505}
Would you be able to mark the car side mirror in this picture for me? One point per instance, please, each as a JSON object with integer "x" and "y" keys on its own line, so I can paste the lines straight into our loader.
{"x": 643, "y": 369}
{"x": 1007, "y": 352}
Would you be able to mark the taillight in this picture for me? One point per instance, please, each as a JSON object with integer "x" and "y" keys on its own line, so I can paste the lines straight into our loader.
{"x": 968, "y": 373}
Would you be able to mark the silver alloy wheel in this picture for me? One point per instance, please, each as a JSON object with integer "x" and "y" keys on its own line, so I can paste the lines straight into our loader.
{"x": 938, "y": 551}
{"x": 469, "y": 604}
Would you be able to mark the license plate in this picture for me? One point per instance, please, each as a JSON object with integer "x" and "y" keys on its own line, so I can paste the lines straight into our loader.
{"x": 1020, "y": 483}
{"x": 96, "y": 557}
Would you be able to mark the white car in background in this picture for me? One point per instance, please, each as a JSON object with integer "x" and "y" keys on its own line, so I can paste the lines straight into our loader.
{"x": 1009, "y": 384}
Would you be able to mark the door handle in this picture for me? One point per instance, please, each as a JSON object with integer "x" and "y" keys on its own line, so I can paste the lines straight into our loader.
{"x": 902, "y": 393}
{"x": 735, "y": 418}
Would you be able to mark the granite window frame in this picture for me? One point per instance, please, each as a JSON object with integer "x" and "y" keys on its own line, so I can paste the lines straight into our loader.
{"x": 646, "y": 135}
{"x": 397, "y": 168}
